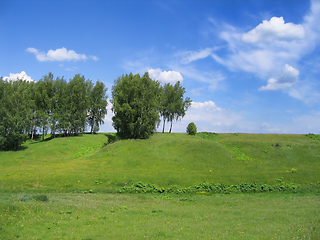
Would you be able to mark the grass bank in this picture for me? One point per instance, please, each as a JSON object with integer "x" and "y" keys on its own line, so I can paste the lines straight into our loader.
{"x": 87, "y": 162}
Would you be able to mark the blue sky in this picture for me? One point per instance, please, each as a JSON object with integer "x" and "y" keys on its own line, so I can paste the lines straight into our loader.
{"x": 249, "y": 66}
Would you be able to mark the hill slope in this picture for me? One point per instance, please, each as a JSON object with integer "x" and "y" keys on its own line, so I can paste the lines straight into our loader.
{"x": 77, "y": 163}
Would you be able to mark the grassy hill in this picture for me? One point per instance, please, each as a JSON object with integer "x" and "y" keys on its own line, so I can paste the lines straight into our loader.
{"x": 42, "y": 187}
{"x": 86, "y": 162}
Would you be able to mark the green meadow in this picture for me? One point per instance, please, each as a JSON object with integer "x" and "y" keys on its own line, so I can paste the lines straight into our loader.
{"x": 68, "y": 188}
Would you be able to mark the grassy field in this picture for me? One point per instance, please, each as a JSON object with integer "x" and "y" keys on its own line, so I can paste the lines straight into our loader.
{"x": 63, "y": 169}
{"x": 116, "y": 216}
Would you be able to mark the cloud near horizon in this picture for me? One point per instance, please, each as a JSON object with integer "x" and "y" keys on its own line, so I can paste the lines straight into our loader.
{"x": 60, "y": 54}
{"x": 18, "y": 76}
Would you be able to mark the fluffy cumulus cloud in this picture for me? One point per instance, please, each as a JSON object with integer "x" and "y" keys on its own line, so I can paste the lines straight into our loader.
{"x": 60, "y": 54}
{"x": 209, "y": 105}
{"x": 165, "y": 76}
{"x": 286, "y": 79}
{"x": 18, "y": 76}
{"x": 275, "y": 29}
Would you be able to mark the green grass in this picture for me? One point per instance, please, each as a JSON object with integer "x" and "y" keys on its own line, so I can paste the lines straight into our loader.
{"x": 114, "y": 216}
{"x": 43, "y": 187}
{"x": 83, "y": 163}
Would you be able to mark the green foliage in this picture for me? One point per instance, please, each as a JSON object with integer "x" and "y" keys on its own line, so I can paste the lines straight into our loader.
{"x": 97, "y": 105}
{"x": 135, "y": 102}
{"x": 313, "y": 136}
{"x": 208, "y": 135}
{"x": 173, "y": 105}
{"x": 28, "y": 107}
{"x": 192, "y": 129}
{"x": 14, "y": 113}
{"x": 212, "y": 188}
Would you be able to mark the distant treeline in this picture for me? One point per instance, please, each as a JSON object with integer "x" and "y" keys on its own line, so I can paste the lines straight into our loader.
{"x": 67, "y": 108}
{"x": 49, "y": 104}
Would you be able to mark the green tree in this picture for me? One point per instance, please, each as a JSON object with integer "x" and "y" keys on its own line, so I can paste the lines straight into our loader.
{"x": 97, "y": 105}
{"x": 43, "y": 96}
{"x": 192, "y": 129}
{"x": 14, "y": 113}
{"x": 76, "y": 104}
{"x": 58, "y": 106}
{"x": 136, "y": 105}
{"x": 173, "y": 103}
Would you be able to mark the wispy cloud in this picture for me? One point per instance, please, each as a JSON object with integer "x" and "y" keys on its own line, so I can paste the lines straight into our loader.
{"x": 190, "y": 56}
{"x": 209, "y": 117}
{"x": 60, "y": 54}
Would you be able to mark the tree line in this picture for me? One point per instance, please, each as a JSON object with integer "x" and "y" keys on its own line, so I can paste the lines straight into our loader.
{"x": 139, "y": 102}
{"x": 70, "y": 107}
{"x": 62, "y": 107}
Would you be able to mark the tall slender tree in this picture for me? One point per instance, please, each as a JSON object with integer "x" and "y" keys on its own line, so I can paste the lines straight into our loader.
{"x": 173, "y": 103}
{"x": 97, "y": 105}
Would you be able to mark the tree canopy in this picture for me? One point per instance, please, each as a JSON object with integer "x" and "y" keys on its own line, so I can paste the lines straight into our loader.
{"x": 69, "y": 107}
{"x": 49, "y": 104}
{"x": 135, "y": 102}
{"x": 173, "y": 103}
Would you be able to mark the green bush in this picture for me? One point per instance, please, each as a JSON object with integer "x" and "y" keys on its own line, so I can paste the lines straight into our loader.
{"x": 41, "y": 198}
{"x": 192, "y": 129}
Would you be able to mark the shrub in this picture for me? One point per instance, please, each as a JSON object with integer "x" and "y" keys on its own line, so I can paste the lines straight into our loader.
{"x": 42, "y": 198}
{"x": 192, "y": 129}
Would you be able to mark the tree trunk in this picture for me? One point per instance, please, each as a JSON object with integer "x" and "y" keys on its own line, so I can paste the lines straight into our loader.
{"x": 170, "y": 127}
{"x": 32, "y": 132}
{"x": 43, "y": 133}
{"x": 164, "y": 122}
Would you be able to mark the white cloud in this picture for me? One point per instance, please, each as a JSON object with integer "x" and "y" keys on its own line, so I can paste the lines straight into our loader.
{"x": 18, "y": 76}
{"x": 190, "y": 56}
{"x": 165, "y": 76}
{"x": 95, "y": 58}
{"x": 209, "y": 105}
{"x": 275, "y": 29}
{"x": 286, "y": 79}
{"x": 60, "y": 54}
{"x": 208, "y": 117}
{"x": 271, "y": 45}
{"x": 212, "y": 78}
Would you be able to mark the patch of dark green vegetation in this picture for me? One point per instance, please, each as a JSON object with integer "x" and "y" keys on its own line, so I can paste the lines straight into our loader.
{"x": 41, "y": 198}
{"x": 313, "y": 136}
{"x": 211, "y": 188}
{"x": 208, "y": 135}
